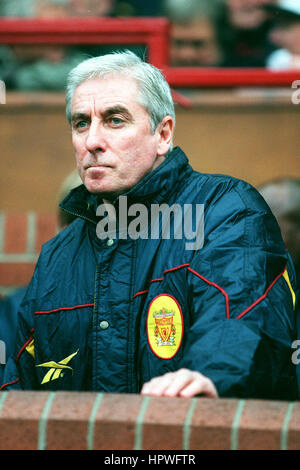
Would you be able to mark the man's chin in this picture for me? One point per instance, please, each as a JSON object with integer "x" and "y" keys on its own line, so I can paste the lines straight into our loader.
{"x": 94, "y": 185}
{"x": 100, "y": 190}
{"x": 96, "y": 189}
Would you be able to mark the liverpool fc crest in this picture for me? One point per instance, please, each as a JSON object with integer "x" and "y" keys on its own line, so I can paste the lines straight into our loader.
{"x": 164, "y": 326}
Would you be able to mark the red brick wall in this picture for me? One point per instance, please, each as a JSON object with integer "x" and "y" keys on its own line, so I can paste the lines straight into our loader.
{"x": 87, "y": 420}
{"x": 21, "y": 238}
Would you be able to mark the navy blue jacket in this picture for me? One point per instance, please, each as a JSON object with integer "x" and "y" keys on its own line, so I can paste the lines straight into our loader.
{"x": 9, "y": 307}
{"x": 109, "y": 316}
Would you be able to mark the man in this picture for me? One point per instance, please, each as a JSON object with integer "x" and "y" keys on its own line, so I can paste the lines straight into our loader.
{"x": 148, "y": 310}
{"x": 192, "y": 34}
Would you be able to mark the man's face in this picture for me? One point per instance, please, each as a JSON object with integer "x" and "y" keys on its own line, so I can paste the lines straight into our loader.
{"x": 194, "y": 44}
{"x": 112, "y": 136}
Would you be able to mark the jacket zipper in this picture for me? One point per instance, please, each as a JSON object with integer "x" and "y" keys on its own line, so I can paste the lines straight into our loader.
{"x": 79, "y": 215}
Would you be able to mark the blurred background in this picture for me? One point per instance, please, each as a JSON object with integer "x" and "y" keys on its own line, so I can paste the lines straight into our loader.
{"x": 250, "y": 132}
{"x": 232, "y": 118}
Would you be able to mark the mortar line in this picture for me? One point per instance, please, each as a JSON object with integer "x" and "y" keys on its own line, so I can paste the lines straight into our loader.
{"x": 235, "y": 425}
{"x": 18, "y": 257}
{"x": 31, "y": 232}
{"x": 91, "y": 422}
{"x": 2, "y": 231}
{"x": 285, "y": 427}
{"x": 42, "y": 432}
{"x": 3, "y": 396}
{"x": 187, "y": 424}
{"x": 138, "y": 435}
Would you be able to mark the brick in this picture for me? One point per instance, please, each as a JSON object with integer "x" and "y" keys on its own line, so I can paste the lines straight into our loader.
{"x": 19, "y": 420}
{"x": 163, "y": 423}
{"x": 68, "y": 418}
{"x": 115, "y": 422}
{"x": 261, "y": 424}
{"x": 15, "y": 238}
{"x": 16, "y": 274}
{"x": 211, "y": 424}
{"x": 293, "y": 434}
{"x": 81, "y": 420}
{"x": 46, "y": 228}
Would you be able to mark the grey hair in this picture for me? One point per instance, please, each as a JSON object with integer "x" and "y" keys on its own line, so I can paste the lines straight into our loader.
{"x": 154, "y": 92}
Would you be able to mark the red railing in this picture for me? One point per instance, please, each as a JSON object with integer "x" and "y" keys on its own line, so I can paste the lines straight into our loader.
{"x": 228, "y": 77}
{"x": 152, "y": 32}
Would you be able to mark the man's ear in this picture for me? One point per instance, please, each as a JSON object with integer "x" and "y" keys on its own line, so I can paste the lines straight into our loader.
{"x": 165, "y": 130}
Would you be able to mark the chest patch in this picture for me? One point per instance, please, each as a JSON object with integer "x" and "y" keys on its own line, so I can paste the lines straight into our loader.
{"x": 164, "y": 326}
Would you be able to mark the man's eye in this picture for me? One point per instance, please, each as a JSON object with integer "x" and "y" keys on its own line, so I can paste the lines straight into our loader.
{"x": 115, "y": 121}
{"x": 80, "y": 124}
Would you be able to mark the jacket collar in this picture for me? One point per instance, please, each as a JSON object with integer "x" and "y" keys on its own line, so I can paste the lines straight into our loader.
{"x": 153, "y": 188}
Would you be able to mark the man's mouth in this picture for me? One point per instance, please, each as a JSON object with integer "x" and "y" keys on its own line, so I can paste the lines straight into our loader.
{"x": 95, "y": 166}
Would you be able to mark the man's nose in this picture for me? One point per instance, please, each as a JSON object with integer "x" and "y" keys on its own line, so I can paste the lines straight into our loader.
{"x": 95, "y": 141}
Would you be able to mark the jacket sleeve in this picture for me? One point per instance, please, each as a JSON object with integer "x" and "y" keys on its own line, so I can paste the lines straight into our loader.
{"x": 19, "y": 371}
{"x": 296, "y": 344}
{"x": 242, "y": 321}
